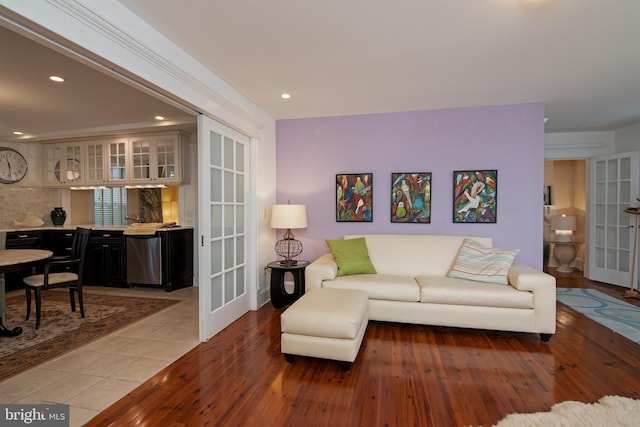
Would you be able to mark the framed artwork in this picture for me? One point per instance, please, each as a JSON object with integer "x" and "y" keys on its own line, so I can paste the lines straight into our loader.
{"x": 475, "y": 196}
{"x": 354, "y": 197}
{"x": 411, "y": 197}
{"x": 547, "y": 195}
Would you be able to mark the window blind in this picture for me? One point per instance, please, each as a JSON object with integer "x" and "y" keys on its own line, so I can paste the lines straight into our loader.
{"x": 110, "y": 206}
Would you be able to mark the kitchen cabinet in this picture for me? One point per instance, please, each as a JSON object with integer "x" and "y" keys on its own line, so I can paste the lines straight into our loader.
{"x": 147, "y": 159}
{"x": 157, "y": 158}
{"x": 63, "y": 164}
{"x": 106, "y": 161}
{"x": 117, "y": 160}
{"x": 59, "y": 242}
{"x": 21, "y": 240}
{"x": 106, "y": 259}
{"x": 177, "y": 250}
{"x": 24, "y": 240}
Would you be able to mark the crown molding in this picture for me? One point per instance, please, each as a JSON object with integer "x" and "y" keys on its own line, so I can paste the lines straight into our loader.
{"x": 578, "y": 145}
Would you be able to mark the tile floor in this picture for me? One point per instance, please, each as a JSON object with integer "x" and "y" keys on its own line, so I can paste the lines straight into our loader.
{"x": 95, "y": 376}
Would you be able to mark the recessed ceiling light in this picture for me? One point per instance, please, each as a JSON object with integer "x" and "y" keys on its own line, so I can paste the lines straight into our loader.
{"x": 159, "y": 117}
{"x": 285, "y": 96}
{"x": 17, "y": 132}
{"x": 57, "y": 79}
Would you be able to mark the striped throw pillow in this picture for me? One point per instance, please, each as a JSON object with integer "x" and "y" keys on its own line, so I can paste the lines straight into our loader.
{"x": 483, "y": 264}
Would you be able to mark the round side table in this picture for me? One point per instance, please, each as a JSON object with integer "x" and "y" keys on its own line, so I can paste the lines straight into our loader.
{"x": 279, "y": 295}
{"x": 565, "y": 253}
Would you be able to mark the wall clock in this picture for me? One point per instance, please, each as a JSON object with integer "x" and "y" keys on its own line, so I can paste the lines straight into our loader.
{"x": 13, "y": 166}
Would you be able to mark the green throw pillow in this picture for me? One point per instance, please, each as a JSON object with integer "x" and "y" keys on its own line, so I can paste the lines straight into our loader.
{"x": 352, "y": 256}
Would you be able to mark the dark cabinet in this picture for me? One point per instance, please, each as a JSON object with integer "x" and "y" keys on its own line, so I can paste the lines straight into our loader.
{"x": 106, "y": 259}
{"x": 21, "y": 240}
{"x": 177, "y": 250}
{"x": 59, "y": 242}
{"x": 24, "y": 240}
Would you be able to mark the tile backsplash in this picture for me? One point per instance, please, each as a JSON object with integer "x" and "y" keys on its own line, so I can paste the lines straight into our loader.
{"x": 17, "y": 202}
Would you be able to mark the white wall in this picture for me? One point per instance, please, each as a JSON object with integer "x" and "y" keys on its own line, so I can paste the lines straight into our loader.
{"x": 628, "y": 139}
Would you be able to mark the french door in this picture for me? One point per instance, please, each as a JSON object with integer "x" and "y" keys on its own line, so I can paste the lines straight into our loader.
{"x": 223, "y": 208}
{"x": 614, "y": 185}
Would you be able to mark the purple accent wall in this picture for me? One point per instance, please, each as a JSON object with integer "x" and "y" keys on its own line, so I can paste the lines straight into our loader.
{"x": 310, "y": 152}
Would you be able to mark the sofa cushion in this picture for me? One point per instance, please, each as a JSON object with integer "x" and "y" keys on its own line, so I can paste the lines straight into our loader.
{"x": 447, "y": 290}
{"x": 414, "y": 254}
{"x": 379, "y": 286}
{"x": 482, "y": 264}
{"x": 351, "y": 256}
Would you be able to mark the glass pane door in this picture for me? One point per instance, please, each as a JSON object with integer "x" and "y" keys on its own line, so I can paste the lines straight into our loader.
{"x": 223, "y": 176}
{"x": 614, "y": 185}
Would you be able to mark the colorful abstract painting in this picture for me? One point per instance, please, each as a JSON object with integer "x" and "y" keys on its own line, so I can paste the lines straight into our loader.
{"x": 354, "y": 197}
{"x": 475, "y": 196}
{"x": 411, "y": 197}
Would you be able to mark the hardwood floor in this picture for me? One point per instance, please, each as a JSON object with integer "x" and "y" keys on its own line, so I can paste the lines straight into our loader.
{"x": 405, "y": 375}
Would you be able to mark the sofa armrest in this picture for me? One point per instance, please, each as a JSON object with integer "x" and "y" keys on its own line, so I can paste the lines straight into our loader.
{"x": 525, "y": 278}
{"x": 323, "y": 268}
{"x": 543, "y": 287}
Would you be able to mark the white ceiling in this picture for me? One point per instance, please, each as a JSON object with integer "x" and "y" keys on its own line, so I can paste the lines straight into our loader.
{"x": 581, "y": 58}
{"x": 338, "y": 57}
{"x": 89, "y": 102}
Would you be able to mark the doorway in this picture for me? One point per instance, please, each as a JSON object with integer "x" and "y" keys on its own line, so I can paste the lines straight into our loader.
{"x": 565, "y": 184}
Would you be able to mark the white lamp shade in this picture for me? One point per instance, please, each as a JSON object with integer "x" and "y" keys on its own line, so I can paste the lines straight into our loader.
{"x": 288, "y": 216}
{"x": 564, "y": 226}
{"x": 563, "y": 222}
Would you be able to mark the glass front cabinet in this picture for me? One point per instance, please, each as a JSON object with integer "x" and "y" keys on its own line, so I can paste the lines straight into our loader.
{"x": 156, "y": 158}
{"x": 63, "y": 164}
{"x": 106, "y": 161}
{"x": 147, "y": 159}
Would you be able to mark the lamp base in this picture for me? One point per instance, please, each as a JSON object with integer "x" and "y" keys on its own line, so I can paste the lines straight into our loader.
{"x": 565, "y": 253}
{"x": 288, "y": 262}
{"x": 631, "y": 294}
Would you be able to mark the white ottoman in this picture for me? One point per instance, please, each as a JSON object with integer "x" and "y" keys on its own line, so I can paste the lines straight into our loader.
{"x": 325, "y": 323}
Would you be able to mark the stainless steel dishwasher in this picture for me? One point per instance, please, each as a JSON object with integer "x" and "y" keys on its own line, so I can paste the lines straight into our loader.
{"x": 144, "y": 264}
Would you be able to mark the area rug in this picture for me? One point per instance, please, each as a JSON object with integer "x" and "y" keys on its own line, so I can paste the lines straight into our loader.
{"x": 62, "y": 330}
{"x": 610, "y": 411}
{"x": 615, "y": 314}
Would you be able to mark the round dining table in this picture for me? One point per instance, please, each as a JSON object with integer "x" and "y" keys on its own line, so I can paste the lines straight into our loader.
{"x": 15, "y": 260}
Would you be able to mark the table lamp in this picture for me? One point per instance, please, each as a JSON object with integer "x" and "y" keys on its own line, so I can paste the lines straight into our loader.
{"x": 288, "y": 217}
{"x": 564, "y": 227}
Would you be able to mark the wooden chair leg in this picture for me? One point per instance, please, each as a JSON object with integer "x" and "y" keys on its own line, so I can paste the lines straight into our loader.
{"x": 80, "y": 302}
{"x": 28, "y": 294}
{"x": 72, "y": 299}
{"x": 38, "y": 306}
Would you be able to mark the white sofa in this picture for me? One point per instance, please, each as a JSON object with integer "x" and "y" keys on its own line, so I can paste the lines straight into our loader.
{"x": 412, "y": 286}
